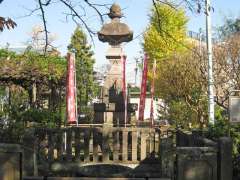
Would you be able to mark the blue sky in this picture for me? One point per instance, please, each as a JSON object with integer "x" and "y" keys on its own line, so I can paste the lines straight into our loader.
{"x": 136, "y": 16}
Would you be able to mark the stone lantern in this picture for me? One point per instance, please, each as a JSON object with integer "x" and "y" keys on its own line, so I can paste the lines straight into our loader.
{"x": 111, "y": 111}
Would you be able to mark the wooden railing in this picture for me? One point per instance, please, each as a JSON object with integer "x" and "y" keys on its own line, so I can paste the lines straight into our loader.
{"x": 97, "y": 144}
{"x": 96, "y": 151}
{"x": 137, "y": 151}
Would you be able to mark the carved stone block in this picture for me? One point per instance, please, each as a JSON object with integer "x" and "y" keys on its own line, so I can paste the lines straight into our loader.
{"x": 196, "y": 163}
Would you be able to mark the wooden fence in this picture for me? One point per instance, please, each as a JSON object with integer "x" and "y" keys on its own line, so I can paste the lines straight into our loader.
{"x": 72, "y": 148}
{"x": 97, "y": 144}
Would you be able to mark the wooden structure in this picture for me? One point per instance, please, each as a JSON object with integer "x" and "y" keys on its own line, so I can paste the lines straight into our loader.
{"x": 98, "y": 151}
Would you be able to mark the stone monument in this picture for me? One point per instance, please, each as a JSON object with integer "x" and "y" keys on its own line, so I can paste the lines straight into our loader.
{"x": 111, "y": 110}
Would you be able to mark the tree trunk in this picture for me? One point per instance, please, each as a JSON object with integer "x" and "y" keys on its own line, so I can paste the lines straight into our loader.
{"x": 52, "y": 96}
{"x": 34, "y": 94}
{"x": 30, "y": 95}
{"x": 8, "y": 92}
{"x": 60, "y": 106}
{"x": 86, "y": 102}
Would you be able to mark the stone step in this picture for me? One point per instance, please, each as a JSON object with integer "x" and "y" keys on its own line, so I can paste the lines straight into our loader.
{"x": 88, "y": 178}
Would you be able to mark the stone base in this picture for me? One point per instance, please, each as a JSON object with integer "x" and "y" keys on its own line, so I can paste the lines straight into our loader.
{"x": 11, "y": 162}
{"x": 113, "y": 118}
{"x": 113, "y": 114}
{"x": 114, "y": 107}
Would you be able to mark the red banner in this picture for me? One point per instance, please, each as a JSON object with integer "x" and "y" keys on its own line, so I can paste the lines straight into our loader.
{"x": 143, "y": 89}
{"x": 71, "y": 90}
{"x": 152, "y": 93}
{"x": 124, "y": 88}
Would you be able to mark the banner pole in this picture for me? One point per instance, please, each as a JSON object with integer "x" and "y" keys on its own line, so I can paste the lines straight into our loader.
{"x": 124, "y": 89}
{"x": 143, "y": 89}
{"x": 152, "y": 93}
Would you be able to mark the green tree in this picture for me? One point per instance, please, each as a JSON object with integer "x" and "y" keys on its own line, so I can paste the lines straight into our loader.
{"x": 20, "y": 73}
{"x": 181, "y": 86}
{"x": 230, "y": 27}
{"x": 84, "y": 67}
{"x": 165, "y": 41}
{"x": 166, "y": 33}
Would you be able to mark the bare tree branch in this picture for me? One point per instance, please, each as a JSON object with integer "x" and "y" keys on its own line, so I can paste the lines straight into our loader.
{"x": 97, "y": 11}
{"x": 31, "y": 12}
{"x": 44, "y": 24}
{"x": 170, "y": 4}
{"x": 46, "y": 3}
{"x": 76, "y": 14}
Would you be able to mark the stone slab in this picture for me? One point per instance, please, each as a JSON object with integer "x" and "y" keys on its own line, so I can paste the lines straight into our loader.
{"x": 86, "y": 178}
{"x": 159, "y": 179}
{"x": 33, "y": 178}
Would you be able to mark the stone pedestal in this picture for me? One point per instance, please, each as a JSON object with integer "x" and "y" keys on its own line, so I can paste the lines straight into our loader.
{"x": 112, "y": 114}
{"x": 112, "y": 111}
{"x": 112, "y": 89}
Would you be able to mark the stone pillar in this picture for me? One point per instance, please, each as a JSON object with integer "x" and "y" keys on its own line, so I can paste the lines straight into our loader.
{"x": 225, "y": 168}
{"x": 114, "y": 76}
{"x": 29, "y": 154}
{"x": 11, "y": 162}
{"x": 108, "y": 119}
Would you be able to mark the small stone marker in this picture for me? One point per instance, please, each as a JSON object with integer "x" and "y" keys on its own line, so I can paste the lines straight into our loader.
{"x": 234, "y": 109}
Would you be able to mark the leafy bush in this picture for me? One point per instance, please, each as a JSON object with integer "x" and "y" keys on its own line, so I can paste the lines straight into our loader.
{"x": 14, "y": 125}
{"x": 221, "y": 126}
{"x": 43, "y": 117}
